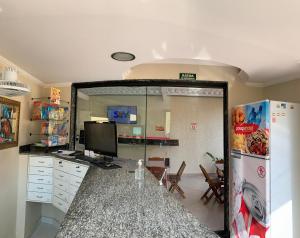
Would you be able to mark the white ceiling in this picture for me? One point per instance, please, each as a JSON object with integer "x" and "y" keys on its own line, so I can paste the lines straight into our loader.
{"x": 71, "y": 41}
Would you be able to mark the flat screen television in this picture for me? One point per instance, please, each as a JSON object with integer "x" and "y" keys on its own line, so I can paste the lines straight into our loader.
{"x": 122, "y": 114}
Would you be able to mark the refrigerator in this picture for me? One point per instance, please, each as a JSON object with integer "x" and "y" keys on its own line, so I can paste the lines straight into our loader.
{"x": 264, "y": 168}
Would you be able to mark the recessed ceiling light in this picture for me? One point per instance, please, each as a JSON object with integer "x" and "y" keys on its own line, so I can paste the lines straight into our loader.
{"x": 1, "y": 9}
{"x": 123, "y": 56}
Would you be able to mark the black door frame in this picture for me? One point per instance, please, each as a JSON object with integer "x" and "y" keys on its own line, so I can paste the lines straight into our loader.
{"x": 166, "y": 83}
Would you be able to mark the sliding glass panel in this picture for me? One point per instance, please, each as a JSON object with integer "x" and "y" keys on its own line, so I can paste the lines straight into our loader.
{"x": 183, "y": 124}
{"x": 124, "y": 105}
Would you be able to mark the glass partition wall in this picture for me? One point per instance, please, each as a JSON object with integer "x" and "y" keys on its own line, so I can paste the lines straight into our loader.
{"x": 124, "y": 105}
{"x": 165, "y": 123}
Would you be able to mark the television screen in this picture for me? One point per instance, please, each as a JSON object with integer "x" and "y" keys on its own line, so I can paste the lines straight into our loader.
{"x": 101, "y": 137}
{"x": 122, "y": 114}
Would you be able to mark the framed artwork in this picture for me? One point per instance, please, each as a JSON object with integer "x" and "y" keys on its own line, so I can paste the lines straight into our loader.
{"x": 9, "y": 123}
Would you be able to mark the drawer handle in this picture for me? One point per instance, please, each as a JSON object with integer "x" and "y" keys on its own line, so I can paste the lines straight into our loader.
{"x": 78, "y": 182}
{"x": 41, "y": 162}
{"x": 40, "y": 188}
{"x": 77, "y": 167}
{"x": 40, "y": 179}
{"x": 41, "y": 171}
{"x": 61, "y": 176}
{"x": 78, "y": 171}
{"x": 39, "y": 196}
{"x": 60, "y": 162}
{"x": 60, "y": 194}
{"x": 60, "y": 185}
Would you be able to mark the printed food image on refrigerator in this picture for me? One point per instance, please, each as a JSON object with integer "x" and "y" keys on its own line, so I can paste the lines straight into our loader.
{"x": 261, "y": 190}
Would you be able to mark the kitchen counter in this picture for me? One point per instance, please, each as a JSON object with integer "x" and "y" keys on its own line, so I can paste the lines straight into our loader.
{"x": 111, "y": 203}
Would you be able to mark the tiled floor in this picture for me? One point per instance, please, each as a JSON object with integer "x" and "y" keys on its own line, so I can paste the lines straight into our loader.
{"x": 211, "y": 214}
{"x": 45, "y": 230}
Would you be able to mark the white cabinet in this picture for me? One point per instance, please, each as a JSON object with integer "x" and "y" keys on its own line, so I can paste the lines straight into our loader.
{"x": 39, "y": 197}
{"x": 41, "y": 161}
{"x": 63, "y": 195}
{"x": 62, "y": 185}
{"x": 67, "y": 179}
{"x": 40, "y": 179}
{"x": 60, "y": 175}
{"x": 39, "y": 183}
{"x": 41, "y": 188}
{"x": 60, "y": 204}
{"x": 40, "y": 171}
{"x": 54, "y": 180}
{"x": 75, "y": 181}
{"x": 61, "y": 165}
{"x": 78, "y": 170}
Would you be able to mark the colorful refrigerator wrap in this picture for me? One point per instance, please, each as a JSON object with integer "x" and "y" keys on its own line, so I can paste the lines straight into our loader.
{"x": 262, "y": 161}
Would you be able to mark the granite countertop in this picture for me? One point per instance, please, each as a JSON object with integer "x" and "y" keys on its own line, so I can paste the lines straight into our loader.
{"x": 111, "y": 203}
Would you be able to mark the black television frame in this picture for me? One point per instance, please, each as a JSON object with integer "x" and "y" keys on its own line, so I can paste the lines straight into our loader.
{"x": 167, "y": 83}
{"x": 107, "y": 155}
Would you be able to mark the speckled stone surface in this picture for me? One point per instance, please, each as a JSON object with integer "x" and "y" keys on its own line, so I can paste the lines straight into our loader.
{"x": 111, "y": 203}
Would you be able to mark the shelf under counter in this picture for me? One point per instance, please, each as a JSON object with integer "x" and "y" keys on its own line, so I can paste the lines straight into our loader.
{"x": 148, "y": 141}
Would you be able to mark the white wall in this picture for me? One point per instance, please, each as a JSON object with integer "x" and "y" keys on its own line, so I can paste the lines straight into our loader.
{"x": 193, "y": 144}
{"x": 9, "y": 158}
{"x": 10, "y": 164}
{"x": 288, "y": 91}
{"x": 8, "y": 194}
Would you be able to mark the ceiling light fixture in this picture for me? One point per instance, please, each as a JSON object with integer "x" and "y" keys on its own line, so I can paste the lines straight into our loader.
{"x": 123, "y": 56}
{"x": 9, "y": 85}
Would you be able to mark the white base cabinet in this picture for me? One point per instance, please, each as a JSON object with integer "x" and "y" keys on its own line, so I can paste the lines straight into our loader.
{"x": 40, "y": 179}
{"x": 54, "y": 180}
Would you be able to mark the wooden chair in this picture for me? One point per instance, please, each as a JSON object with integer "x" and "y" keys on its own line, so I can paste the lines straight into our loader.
{"x": 156, "y": 162}
{"x": 215, "y": 185}
{"x": 156, "y": 171}
{"x": 220, "y": 174}
{"x": 158, "y": 168}
{"x": 175, "y": 178}
{"x": 156, "y": 159}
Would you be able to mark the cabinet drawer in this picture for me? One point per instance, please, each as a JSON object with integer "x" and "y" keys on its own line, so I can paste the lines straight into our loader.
{"x": 61, "y": 185}
{"x": 40, "y": 179}
{"x": 75, "y": 181}
{"x": 41, "y": 188}
{"x": 40, "y": 171}
{"x": 43, "y": 161}
{"x": 60, "y": 175}
{"x": 63, "y": 195}
{"x": 60, "y": 204}
{"x": 39, "y": 197}
{"x": 71, "y": 198}
{"x": 62, "y": 165}
{"x": 78, "y": 169}
{"x": 73, "y": 190}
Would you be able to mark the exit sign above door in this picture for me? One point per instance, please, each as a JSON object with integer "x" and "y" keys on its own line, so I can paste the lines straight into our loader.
{"x": 187, "y": 76}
